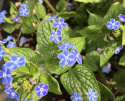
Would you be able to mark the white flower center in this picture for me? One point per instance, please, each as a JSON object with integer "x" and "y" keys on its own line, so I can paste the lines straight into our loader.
{"x": 41, "y": 89}
{"x": 12, "y": 94}
{"x": 4, "y": 74}
{"x": 66, "y": 57}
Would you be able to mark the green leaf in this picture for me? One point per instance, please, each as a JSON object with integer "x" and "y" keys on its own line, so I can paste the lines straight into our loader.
{"x": 10, "y": 27}
{"x": 40, "y": 10}
{"x": 61, "y": 5}
{"x": 94, "y": 19}
{"x": 9, "y": 20}
{"x": 81, "y": 76}
{"x": 114, "y": 12}
{"x": 52, "y": 83}
{"x": 106, "y": 94}
{"x": 13, "y": 9}
{"x": 90, "y": 1}
{"x": 2, "y": 86}
{"x": 43, "y": 36}
{"x": 122, "y": 60}
{"x": 32, "y": 59}
{"x": 67, "y": 15}
{"x": 119, "y": 78}
{"x": 52, "y": 57}
{"x": 123, "y": 36}
{"x": 92, "y": 60}
{"x": 109, "y": 53}
{"x": 27, "y": 26}
{"x": 121, "y": 98}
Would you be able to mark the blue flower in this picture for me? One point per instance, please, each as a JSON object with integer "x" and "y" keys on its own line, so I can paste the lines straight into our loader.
{"x": 22, "y": 40}
{"x": 41, "y": 89}
{"x": 76, "y": 97}
{"x": 3, "y": 13}
{"x": 11, "y": 44}
{"x": 2, "y": 18}
{"x": 113, "y": 24}
{"x": 78, "y": 57}
{"x": 24, "y": 5}
{"x": 16, "y": 19}
{"x": 15, "y": 62}
{"x": 92, "y": 95}
{"x": 23, "y": 12}
{"x": 8, "y": 86}
{"x": 26, "y": 100}
{"x": 66, "y": 45}
{"x": 9, "y": 38}
{"x": 56, "y": 36}
{"x": 6, "y": 75}
{"x": 51, "y": 18}
{"x": 106, "y": 69}
{"x": 2, "y": 53}
{"x": 121, "y": 17}
{"x": 59, "y": 23}
{"x": 12, "y": 94}
{"x": 66, "y": 58}
{"x": 40, "y": 1}
{"x": 117, "y": 50}
{"x": 4, "y": 41}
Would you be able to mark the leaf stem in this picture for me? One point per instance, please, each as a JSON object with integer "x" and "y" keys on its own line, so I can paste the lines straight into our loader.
{"x": 49, "y": 66}
{"x": 50, "y": 6}
{"x": 78, "y": 84}
{"x": 18, "y": 36}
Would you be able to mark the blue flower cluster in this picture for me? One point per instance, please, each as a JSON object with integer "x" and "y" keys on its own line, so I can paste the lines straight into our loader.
{"x": 5, "y": 73}
{"x": 59, "y": 24}
{"x": 23, "y": 11}
{"x": 121, "y": 17}
{"x": 41, "y": 89}
{"x": 68, "y": 58}
{"x": 11, "y": 44}
{"x": 106, "y": 69}
{"x": 117, "y": 50}
{"x": 2, "y": 15}
{"x": 5, "y": 40}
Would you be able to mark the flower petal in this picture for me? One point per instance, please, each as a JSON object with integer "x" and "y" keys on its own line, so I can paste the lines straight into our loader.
{"x": 37, "y": 88}
{"x": 3, "y": 53}
{"x": 15, "y": 67}
{"x": 62, "y": 62}
{"x": 4, "y": 80}
{"x": 112, "y": 21}
{"x": 60, "y": 28}
{"x": 66, "y": 52}
{"x": 61, "y": 56}
{"x": 55, "y": 25}
{"x": 9, "y": 79}
{"x": 61, "y": 20}
{"x": 69, "y": 62}
{"x": 9, "y": 65}
{"x": 13, "y": 58}
{"x": 52, "y": 37}
{"x": 64, "y": 25}
{"x": 1, "y": 74}
{"x": 53, "y": 32}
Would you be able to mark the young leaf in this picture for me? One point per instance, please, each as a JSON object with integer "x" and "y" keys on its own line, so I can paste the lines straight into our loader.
{"x": 106, "y": 94}
{"x": 123, "y": 36}
{"x": 52, "y": 83}
{"x": 80, "y": 79}
{"x": 61, "y": 5}
{"x": 122, "y": 60}
{"x": 94, "y": 19}
{"x": 40, "y": 10}
{"x": 13, "y": 9}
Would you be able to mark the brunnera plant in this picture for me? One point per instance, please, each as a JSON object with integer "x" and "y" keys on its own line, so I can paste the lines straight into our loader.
{"x": 26, "y": 74}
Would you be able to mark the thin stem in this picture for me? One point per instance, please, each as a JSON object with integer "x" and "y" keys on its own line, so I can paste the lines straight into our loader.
{"x": 77, "y": 84}
{"x": 50, "y": 6}
{"x": 50, "y": 66}
{"x": 18, "y": 36}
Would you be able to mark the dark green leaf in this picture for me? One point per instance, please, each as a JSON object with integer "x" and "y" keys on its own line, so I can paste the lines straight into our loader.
{"x": 80, "y": 78}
